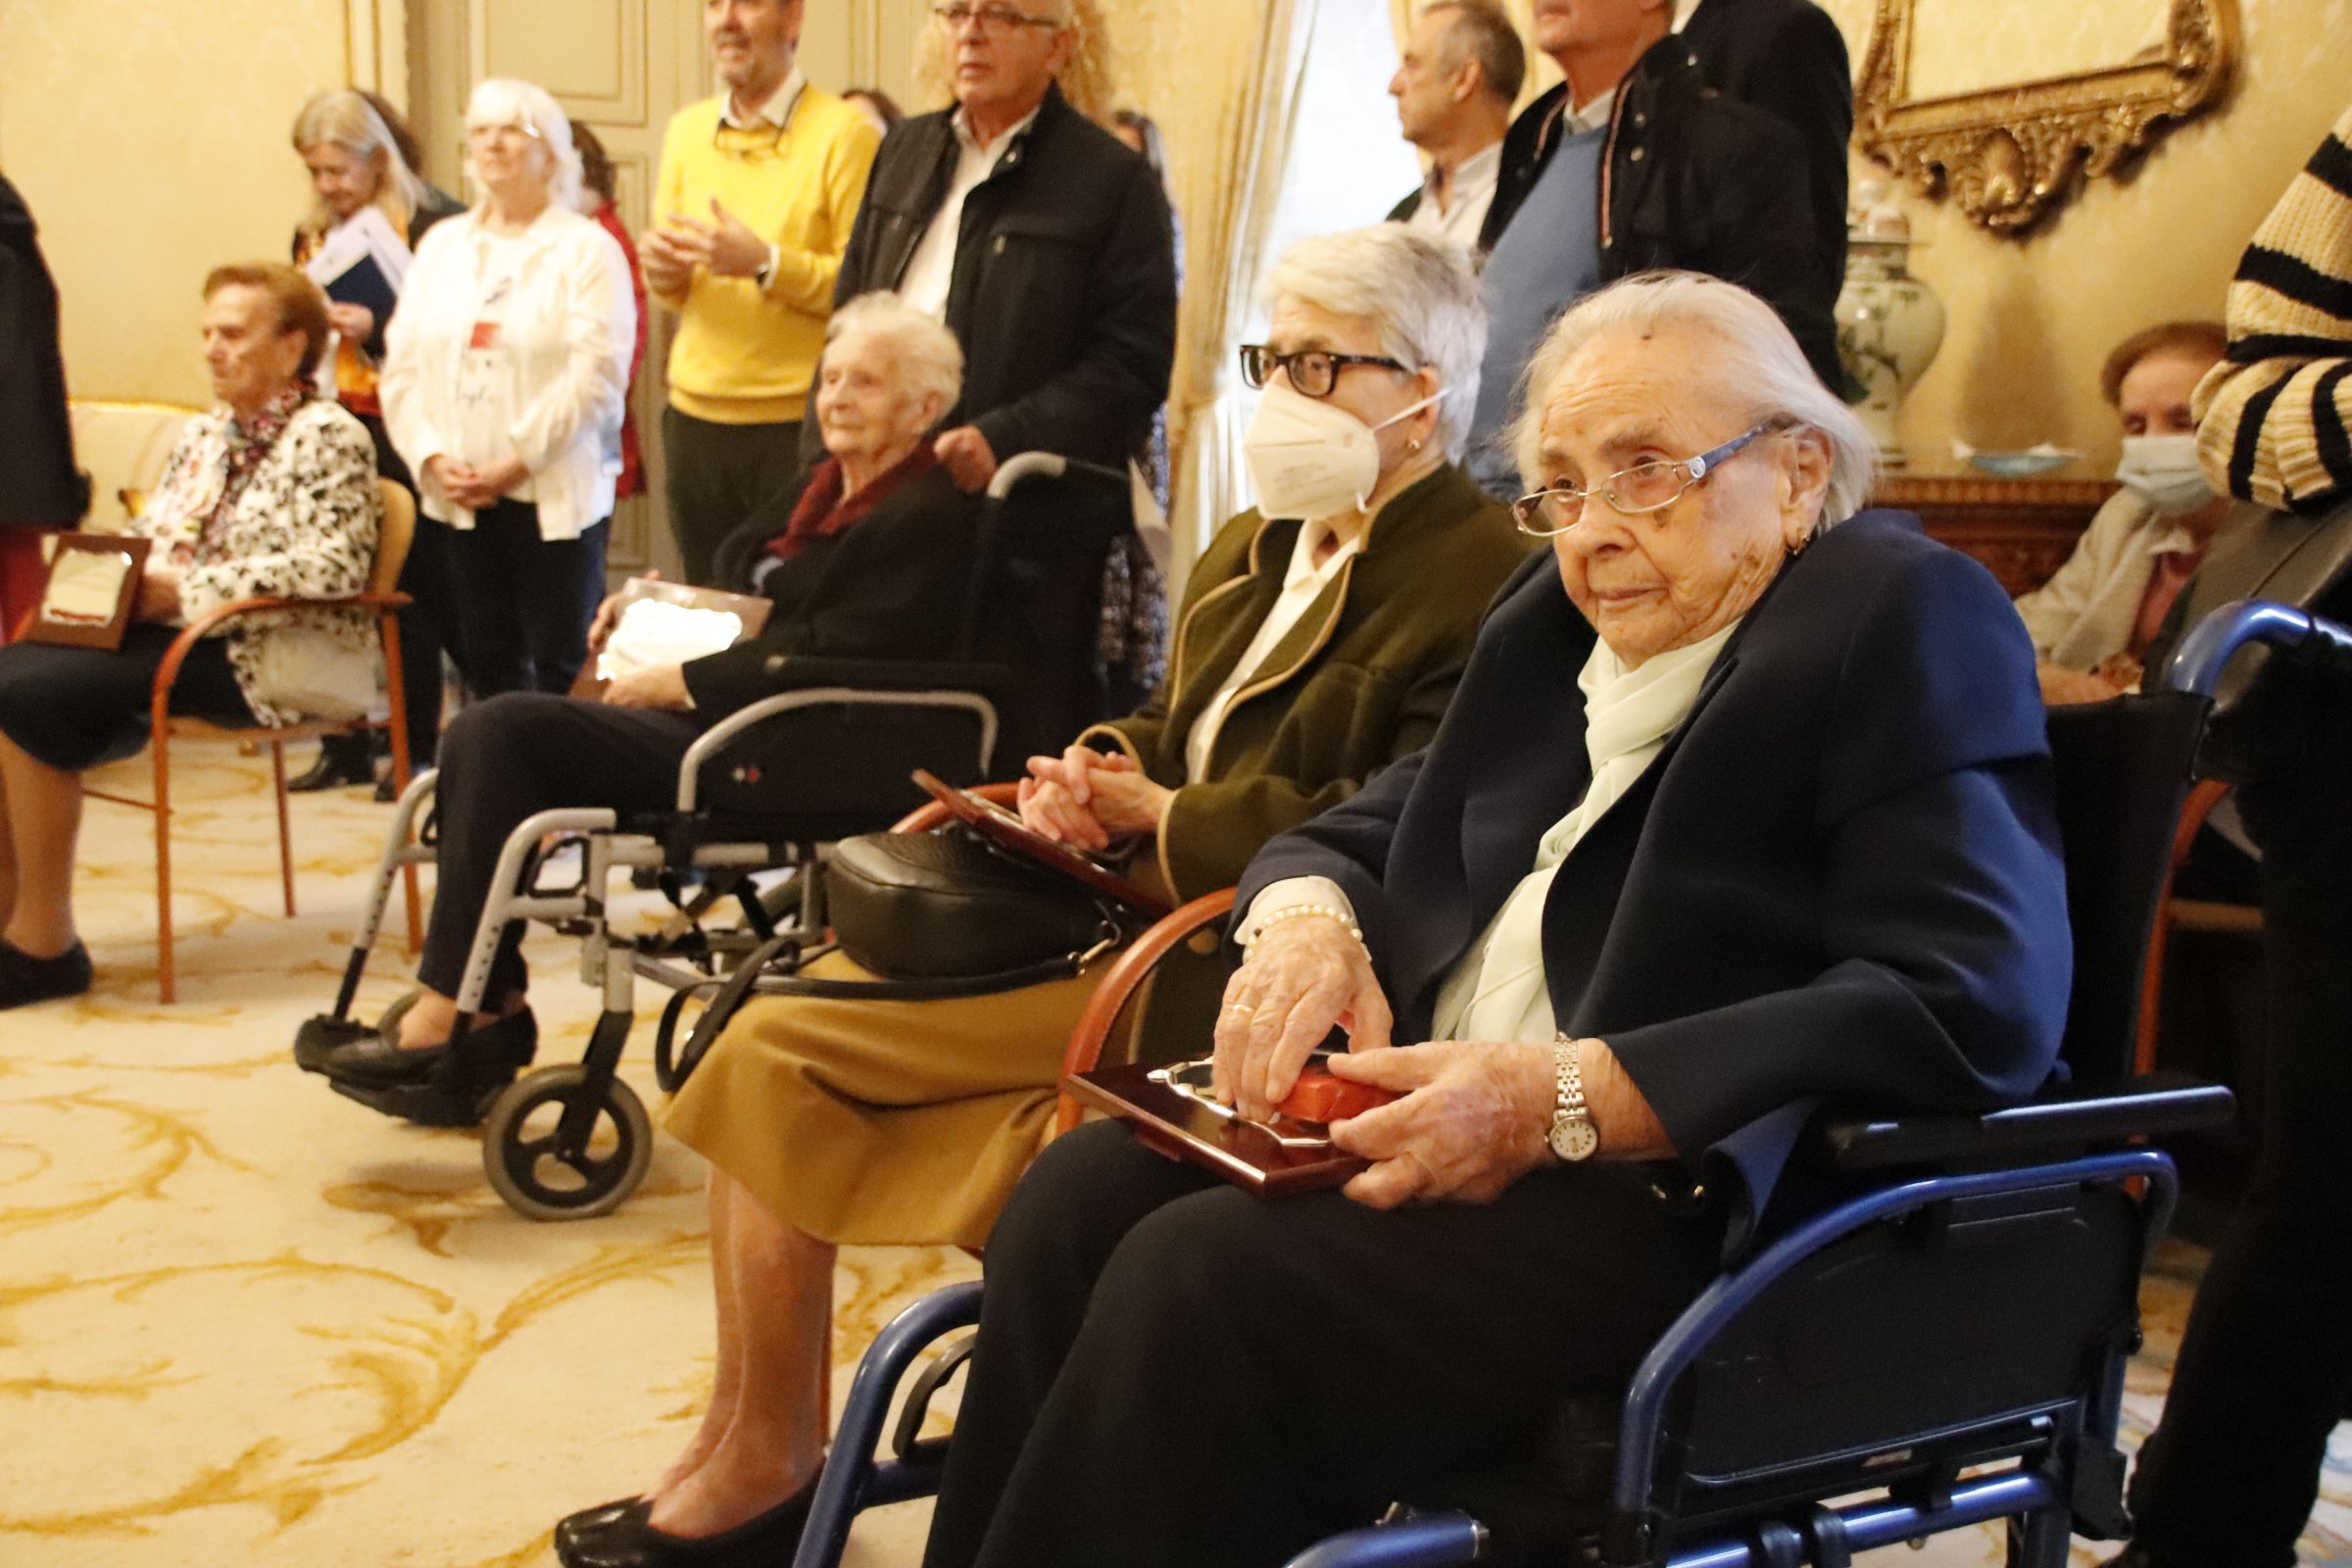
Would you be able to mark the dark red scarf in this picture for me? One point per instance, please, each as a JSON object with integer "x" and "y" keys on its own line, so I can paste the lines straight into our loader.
{"x": 821, "y": 513}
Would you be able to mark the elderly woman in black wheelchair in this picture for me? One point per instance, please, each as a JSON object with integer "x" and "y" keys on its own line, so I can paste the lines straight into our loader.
{"x": 271, "y": 494}
{"x": 875, "y": 563}
{"x": 1320, "y": 641}
{"x": 1744, "y": 805}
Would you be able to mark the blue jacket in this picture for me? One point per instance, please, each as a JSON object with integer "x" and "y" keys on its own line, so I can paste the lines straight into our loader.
{"x": 1838, "y": 883}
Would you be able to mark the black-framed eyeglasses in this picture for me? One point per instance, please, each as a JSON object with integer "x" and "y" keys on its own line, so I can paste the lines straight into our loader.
{"x": 1630, "y": 492}
{"x": 1312, "y": 373}
{"x": 996, "y": 19}
{"x": 761, "y": 140}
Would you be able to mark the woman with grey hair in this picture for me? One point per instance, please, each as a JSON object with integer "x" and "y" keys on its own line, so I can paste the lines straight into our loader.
{"x": 872, "y": 562}
{"x": 1319, "y": 641}
{"x": 504, "y": 378}
{"x": 1734, "y": 812}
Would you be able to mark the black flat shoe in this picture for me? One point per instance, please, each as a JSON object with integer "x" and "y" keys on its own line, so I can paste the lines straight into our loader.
{"x": 761, "y": 1542}
{"x": 584, "y": 1528}
{"x": 377, "y": 1060}
{"x": 342, "y": 759}
{"x": 25, "y": 979}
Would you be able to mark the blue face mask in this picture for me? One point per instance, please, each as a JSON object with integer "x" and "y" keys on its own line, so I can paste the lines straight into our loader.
{"x": 2164, "y": 472}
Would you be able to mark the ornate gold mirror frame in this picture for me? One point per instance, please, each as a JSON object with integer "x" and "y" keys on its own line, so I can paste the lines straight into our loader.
{"x": 2008, "y": 154}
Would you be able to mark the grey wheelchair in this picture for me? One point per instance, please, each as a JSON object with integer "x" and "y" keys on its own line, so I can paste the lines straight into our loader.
{"x": 760, "y": 796}
{"x": 1944, "y": 1347}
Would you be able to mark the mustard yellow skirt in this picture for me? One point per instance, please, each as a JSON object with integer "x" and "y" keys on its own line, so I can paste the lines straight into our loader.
{"x": 881, "y": 1123}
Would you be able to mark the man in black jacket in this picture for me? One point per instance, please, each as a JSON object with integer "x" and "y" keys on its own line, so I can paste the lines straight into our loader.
{"x": 40, "y": 486}
{"x": 1041, "y": 240}
{"x": 1639, "y": 159}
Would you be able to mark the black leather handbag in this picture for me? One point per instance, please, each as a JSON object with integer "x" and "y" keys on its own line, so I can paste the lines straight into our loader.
{"x": 949, "y": 906}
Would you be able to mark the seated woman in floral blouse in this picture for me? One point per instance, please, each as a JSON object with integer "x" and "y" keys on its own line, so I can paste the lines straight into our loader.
{"x": 274, "y": 492}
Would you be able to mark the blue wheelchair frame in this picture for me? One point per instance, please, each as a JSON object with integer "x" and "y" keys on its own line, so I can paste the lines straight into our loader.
{"x": 2036, "y": 1496}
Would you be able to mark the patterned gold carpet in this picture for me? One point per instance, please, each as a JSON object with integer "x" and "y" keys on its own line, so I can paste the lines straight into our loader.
{"x": 244, "y": 1321}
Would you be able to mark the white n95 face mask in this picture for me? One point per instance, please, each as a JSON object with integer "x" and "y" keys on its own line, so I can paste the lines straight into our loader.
{"x": 1312, "y": 458}
{"x": 2164, "y": 472}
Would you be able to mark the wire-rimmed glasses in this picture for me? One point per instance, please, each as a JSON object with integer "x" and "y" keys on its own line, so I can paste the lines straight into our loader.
{"x": 1628, "y": 492}
{"x": 994, "y": 19}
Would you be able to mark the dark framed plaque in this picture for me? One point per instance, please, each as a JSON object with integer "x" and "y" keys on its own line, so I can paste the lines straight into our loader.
{"x": 1169, "y": 1110}
{"x": 1009, "y": 832}
{"x": 91, "y": 590}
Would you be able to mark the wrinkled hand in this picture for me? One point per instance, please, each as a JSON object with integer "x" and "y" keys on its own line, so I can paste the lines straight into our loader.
{"x": 1057, "y": 797}
{"x": 2061, "y": 686}
{"x": 1473, "y": 1120}
{"x": 608, "y": 615}
{"x": 664, "y": 686}
{"x": 355, "y": 324}
{"x": 967, "y": 457}
{"x": 1304, "y": 976}
{"x": 159, "y": 595}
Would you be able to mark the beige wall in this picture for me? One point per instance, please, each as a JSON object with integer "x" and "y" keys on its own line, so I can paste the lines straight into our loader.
{"x": 2030, "y": 321}
{"x": 150, "y": 142}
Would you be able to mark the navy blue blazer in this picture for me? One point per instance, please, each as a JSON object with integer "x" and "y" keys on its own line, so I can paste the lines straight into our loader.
{"x": 1839, "y": 882}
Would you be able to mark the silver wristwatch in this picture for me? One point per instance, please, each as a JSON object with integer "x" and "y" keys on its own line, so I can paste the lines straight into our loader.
{"x": 1573, "y": 1136}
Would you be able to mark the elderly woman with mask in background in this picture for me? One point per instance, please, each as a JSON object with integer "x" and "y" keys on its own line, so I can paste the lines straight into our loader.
{"x": 1320, "y": 641}
{"x": 503, "y": 388}
{"x": 2092, "y": 623}
{"x": 1743, "y": 805}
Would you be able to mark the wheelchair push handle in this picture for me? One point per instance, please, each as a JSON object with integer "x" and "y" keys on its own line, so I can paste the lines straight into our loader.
{"x": 1048, "y": 465}
{"x": 2197, "y": 666}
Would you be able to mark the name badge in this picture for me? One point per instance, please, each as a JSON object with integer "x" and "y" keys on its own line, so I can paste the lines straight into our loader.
{"x": 485, "y": 335}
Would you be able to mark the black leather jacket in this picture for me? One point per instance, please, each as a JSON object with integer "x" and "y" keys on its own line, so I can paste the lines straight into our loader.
{"x": 1064, "y": 289}
{"x": 40, "y": 486}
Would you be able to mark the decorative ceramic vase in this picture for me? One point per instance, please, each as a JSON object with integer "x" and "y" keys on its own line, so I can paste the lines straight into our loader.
{"x": 1890, "y": 324}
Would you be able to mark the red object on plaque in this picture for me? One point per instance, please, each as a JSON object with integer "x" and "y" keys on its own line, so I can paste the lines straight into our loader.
{"x": 1324, "y": 1097}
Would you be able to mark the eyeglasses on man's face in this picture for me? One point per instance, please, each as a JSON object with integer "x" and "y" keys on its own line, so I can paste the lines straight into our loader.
{"x": 1628, "y": 492}
{"x": 996, "y": 20}
{"x": 764, "y": 139}
{"x": 1312, "y": 373}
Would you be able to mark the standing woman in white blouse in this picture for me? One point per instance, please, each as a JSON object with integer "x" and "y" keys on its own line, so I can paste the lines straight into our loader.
{"x": 503, "y": 387}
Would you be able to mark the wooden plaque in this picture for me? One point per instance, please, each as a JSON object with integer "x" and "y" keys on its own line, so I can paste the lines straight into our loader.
{"x": 91, "y": 590}
{"x": 1002, "y": 828}
{"x": 1269, "y": 1160}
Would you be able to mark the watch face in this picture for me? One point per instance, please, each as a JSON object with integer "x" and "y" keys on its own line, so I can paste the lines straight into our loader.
{"x": 1574, "y": 1139}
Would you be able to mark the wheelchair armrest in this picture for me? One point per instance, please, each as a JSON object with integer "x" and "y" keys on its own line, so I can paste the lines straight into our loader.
{"x": 799, "y": 672}
{"x": 2062, "y": 1116}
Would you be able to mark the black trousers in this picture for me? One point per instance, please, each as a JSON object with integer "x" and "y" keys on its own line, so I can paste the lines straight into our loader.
{"x": 719, "y": 476}
{"x": 1174, "y": 1373}
{"x": 2228, "y": 1477}
{"x": 510, "y": 758}
{"x": 75, "y": 707}
{"x": 526, "y": 601}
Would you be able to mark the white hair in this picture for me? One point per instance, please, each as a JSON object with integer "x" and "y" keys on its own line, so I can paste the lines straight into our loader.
{"x": 1753, "y": 359}
{"x": 1420, "y": 296}
{"x": 929, "y": 358}
{"x": 504, "y": 100}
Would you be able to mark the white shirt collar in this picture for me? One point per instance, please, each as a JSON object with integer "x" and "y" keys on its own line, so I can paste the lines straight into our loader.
{"x": 776, "y": 112}
{"x": 1472, "y": 174}
{"x": 1595, "y": 114}
{"x": 964, "y": 131}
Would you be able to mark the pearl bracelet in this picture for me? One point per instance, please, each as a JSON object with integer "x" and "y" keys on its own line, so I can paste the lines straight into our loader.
{"x": 1296, "y": 910}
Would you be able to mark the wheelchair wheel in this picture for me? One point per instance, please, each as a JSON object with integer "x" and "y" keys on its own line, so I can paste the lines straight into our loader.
{"x": 543, "y": 1176}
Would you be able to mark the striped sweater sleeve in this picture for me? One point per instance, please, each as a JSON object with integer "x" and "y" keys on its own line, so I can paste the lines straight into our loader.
{"x": 2274, "y": 415}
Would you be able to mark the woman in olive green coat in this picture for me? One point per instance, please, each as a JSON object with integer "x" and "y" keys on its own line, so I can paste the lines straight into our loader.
{"x": 1316, "y": 643}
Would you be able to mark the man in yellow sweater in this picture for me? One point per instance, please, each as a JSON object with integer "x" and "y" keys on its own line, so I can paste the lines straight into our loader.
{"x": 758, "y": 191}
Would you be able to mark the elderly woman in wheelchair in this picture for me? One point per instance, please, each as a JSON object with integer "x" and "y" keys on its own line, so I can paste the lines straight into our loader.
{"x": 1745, "y": 803}
{"x": 874, "y": 563}
{"x": 1320, "y": 640}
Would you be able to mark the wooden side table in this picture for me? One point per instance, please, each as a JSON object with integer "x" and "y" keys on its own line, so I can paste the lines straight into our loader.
{"x": 2023, "y": 530}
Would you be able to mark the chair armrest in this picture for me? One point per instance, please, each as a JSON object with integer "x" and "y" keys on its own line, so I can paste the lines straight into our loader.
{"x": 799, "y": 672}
{"x": 1119, "y": 983}
{"x": 931, "y": 814}
{"x": 177, "y": 654}
{"x": 2063, "y": 1117}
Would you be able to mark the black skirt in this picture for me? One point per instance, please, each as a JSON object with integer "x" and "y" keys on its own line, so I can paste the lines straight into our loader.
{"x": 77, "y": 707}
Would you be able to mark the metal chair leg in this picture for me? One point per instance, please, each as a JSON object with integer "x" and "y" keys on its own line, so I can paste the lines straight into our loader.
{"x": 285, "y": 828}
{"x": 161, "y": 753}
